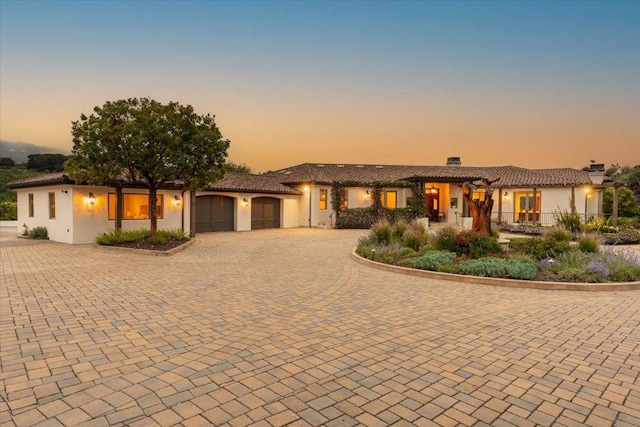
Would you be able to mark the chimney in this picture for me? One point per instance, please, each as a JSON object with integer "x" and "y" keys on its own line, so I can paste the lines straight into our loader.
{"x": 454, "y": 161}
{"x": 596, "y": 173}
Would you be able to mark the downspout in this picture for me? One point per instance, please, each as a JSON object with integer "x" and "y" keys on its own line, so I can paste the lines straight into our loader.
{"x": 310, "y": 191}
{"x": 499, "y": 205}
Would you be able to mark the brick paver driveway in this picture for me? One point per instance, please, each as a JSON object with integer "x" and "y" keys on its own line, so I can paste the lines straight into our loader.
{"x": 280, "y": 327}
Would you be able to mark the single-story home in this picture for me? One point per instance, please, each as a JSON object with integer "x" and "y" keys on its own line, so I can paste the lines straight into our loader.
{"x": 300, "y": 196}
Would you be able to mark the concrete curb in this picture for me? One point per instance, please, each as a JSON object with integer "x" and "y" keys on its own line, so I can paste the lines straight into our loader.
{"x": 150, "y": 251}
{"x": 511, "y": 283}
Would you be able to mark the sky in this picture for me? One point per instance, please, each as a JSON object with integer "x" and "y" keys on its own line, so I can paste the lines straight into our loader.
{"x": 531, "y": 84}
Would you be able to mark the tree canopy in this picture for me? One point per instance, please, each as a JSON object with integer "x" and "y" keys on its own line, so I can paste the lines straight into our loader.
{"x": 144, "y": 141}
{"x": 627, "y": 203}
{"x": 46, "y": 162}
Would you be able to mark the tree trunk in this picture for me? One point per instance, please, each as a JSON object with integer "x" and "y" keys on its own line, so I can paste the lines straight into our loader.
{"x": 153, "y": 211}
{"x": 119, "y": 207}
{"x": 480, "y": 210}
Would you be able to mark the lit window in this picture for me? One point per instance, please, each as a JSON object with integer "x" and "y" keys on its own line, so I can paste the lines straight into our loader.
{"x": 345, "y": 199}
{"x": 478, "y": 195}
{"x": 136, "y": 206}
{"x": 323, "y": 200}
{"x": 389, "y": 199}
{"x": 52, "y": 205}
{"x": 31, "y": 210}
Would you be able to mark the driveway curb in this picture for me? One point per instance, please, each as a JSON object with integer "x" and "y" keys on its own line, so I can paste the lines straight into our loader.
{"x": 510, "y": 283}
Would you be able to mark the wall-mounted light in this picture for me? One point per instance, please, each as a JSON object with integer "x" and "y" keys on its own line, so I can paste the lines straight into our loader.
{"x": 367, "y": 195}
{"x": 306, "y": 188}
{"x": 177, "y": 201}
{"x": 505, "y": 195}
{"x": 433, "y": 190}
{"x": 90, "y": 199}
{"x": 245, "y": 202}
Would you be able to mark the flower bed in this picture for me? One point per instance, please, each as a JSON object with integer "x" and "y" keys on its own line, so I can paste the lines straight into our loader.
{"x": 549, "y": 257}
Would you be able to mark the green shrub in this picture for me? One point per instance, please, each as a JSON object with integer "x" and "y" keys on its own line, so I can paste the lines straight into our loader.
{"x": 539, "y": 247}
{"x": 570, "y": 221}
{"x": 382, "y": 232}
{"x": 445, "y": 239}
{"x": 478, "y": 245}
{"x": 176, "y": 234}
{"x": 8, "y": 211}
{"x": 38, "y": 233}
{"x": 415, "y": 236}
{"x": 558, "y": 234}
{"x": 432, "y": 259}
{"x": 498, "y": 267}
{"x": 356, "y": 218}
{"x": 116, "y": 237}
{"x": 398, "y": 230}
{"x": 392, "y": 254}
{"x": 588, "y": 244}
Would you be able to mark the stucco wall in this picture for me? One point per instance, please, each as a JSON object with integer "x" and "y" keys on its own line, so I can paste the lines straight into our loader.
{"x": 60, "y": 228}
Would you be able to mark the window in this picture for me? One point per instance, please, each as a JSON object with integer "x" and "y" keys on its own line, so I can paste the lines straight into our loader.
{"x": 136, "y": 206}
{"x": 31, "y": 210}
{"x": 345, "y": 199}
{"x": 478, "y": 195}
{"x": 525, "y": 206}
{"x": 323, "y": 200}
{"x": 52, "y": 205}
{"x": 389, "y": 199}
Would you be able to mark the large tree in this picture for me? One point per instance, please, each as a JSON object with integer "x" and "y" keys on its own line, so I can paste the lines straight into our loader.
{"x": 146, "y": 142}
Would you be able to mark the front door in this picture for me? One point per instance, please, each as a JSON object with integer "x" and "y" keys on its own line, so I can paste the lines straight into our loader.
{"x": 432, "y": 205}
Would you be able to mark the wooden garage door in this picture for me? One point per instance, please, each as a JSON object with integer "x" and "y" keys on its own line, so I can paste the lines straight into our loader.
{"x": 214, "y": 213}
{"x": 265, "y": 213}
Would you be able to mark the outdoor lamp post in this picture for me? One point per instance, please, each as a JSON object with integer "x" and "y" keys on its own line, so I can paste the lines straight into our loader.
{"x": 587, "y": 194}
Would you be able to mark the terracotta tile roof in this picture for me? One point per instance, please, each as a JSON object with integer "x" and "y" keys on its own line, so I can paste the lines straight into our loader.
{"x": 277, "y": 182}
{"x": 510, "y": 176}
{"x": 249, "y": 183}
{"x": 41, "y": 180}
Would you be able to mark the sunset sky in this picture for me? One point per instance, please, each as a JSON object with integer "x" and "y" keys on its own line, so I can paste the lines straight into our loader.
{"x": 531, "y": 84}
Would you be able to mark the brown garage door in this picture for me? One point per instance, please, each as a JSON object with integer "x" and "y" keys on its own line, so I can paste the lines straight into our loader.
{"x": 265, "y": 213}
{"x": 214, "y": 213}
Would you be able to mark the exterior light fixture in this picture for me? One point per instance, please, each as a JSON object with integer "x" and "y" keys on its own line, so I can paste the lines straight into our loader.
{"x": 506, "y": 195}
{"x": 245, "y": 202}
{"x": 367, "y": 195}
{"x": 306, "y": 188}
{"x": 176, "y": 201}
{"x": 91, "y": 199}
{"x": 434, "y": 190}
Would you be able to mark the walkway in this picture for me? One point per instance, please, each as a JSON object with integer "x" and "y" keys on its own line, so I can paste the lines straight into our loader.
{"x": 280, "y": 327}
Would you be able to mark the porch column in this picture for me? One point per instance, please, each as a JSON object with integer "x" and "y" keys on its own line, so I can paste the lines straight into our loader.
{"x": 499, "y": 205}
{"x": 614, "y": 217}
{"x": 192, "y": 213}
{"x": 535, "y": 199}
{"x": 572, "y": 206}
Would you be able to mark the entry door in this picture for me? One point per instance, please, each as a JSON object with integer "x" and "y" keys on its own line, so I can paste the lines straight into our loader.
{"x": 432, "y": 204}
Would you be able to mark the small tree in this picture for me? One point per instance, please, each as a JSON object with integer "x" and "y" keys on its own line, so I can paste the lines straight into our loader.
{"x": 627, "y": 204}
{"x": 480, "y": 210}
{"x": 146, "y": 142}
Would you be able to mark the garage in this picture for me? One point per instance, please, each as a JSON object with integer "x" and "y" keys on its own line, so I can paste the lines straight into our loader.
{"x": 214, "y": 213}
{"x": 265, "y": 213}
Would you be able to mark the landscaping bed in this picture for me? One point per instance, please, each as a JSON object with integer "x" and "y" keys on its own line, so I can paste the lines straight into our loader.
{"x": 553, "y": 256}
{"x": 164, "y": 240}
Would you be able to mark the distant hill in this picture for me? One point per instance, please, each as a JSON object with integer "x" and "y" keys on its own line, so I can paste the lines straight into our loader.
{"x": 19, "y": 151}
